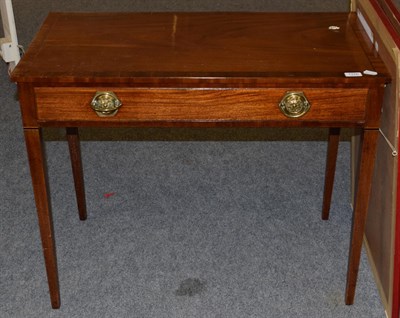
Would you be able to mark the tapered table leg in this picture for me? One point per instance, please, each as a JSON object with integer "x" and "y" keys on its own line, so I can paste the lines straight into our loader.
{"x": 37, "y": 163}
{"x": 363, "y": 188}
{"x": 77, "y": 170}
{"x": 333, "y": 145}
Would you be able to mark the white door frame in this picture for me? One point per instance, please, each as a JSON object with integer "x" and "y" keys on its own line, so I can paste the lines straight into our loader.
{"x": 9, "y": 49}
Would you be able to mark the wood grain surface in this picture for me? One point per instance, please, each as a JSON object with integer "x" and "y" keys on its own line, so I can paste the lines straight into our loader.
{"x": 150, "y": 47}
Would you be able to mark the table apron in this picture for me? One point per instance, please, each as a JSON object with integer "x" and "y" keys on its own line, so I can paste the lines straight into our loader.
{"x": 200, "y": 106}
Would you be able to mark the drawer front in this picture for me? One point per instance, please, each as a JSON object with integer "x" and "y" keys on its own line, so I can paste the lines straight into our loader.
{"x": 56, "y": 104}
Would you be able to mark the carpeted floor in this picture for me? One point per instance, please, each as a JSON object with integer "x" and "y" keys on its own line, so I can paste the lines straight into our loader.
{"x": 182, "y": 223}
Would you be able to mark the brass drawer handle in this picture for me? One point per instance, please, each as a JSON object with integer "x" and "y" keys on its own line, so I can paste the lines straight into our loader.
{"x": 105, "y": 104}
{"x": 294, "y": 104}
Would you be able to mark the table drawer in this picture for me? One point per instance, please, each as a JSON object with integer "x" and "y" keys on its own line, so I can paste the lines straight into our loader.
{"x": 57, "y": 104}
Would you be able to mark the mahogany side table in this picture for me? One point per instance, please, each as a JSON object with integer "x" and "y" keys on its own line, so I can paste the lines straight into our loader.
{"x": 200, "y": 70}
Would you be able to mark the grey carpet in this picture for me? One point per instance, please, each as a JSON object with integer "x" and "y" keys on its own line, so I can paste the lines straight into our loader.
{"x": 179, "y": 228}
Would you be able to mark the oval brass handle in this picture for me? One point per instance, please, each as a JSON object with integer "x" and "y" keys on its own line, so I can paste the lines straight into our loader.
{"x": 105, "y": 104}
{"x": 294, "y": 104}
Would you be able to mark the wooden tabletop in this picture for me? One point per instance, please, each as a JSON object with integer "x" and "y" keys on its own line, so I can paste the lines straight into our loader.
{"x": 128, "y": 47}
